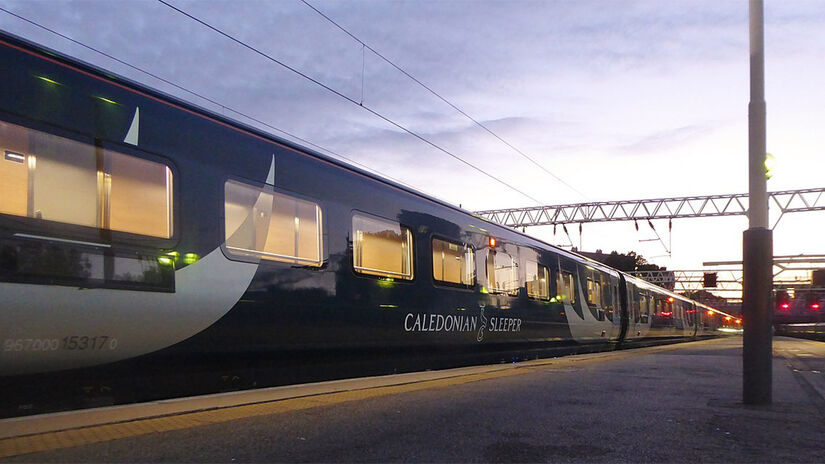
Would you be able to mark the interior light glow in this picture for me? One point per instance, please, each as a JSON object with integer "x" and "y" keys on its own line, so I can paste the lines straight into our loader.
{"x": 739, "y": 321}
{"x": 728, "y": 318}
{"x": 46, "y": 79}
{"x": 112, "y": 102}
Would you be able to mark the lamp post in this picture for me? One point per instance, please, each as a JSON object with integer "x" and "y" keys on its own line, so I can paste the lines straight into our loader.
{"x": 757, "y": 358}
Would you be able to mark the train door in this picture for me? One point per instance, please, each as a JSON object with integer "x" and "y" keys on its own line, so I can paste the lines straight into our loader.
{"x": 584, "y": 326}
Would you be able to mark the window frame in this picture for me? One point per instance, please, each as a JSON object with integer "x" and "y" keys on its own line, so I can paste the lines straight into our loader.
{"x": 45, "y": 229}
{"x": 465, "y": 247}
{"x": 411, "y": 252}
{"x": 257, "y": 257}
{"x": 514, "y": 260}
{"x": 539, "y": 266}
{"x": 573, "y": 298}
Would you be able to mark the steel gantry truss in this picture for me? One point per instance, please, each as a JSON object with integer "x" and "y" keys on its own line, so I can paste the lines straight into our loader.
{"x": 787, "y": 201}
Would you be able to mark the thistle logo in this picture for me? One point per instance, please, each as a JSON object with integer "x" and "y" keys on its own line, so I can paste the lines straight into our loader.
{"x": 483, "y": 319}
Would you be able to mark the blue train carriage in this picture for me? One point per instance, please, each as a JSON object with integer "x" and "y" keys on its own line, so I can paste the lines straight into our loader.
{"x": 141, "y": 236}
{"x": 656, "y": 313}
{"x": 134, "y": 224}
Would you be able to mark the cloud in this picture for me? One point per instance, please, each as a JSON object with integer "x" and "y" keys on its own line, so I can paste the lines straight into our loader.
{"x": 667, "y": 139}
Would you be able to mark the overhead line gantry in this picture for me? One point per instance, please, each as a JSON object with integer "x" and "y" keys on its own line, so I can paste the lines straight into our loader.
{"x": 786, "y": 201}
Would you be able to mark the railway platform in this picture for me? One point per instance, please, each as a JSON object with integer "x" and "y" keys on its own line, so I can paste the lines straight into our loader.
{"x": 674, "y": 403}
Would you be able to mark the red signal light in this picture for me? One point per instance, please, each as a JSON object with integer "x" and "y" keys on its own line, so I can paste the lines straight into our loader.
{"x": 815, "y": 306}
{"x": 785, "y": 306}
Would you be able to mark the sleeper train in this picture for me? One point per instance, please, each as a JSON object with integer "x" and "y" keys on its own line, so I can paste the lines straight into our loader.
{"x": 144, "y": 239}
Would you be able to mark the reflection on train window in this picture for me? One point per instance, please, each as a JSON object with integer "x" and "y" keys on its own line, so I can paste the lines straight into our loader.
{"x": 538, "y": 281}
{"x": 567, "y": 287}
{"x": 381, "y": 248}
{"x": 271, "y": 225}
{"x": 57, "y": 179}
{"x": 608, "y": 294}
{"x": 453, "y": 263}
{"x": 38, "y": 262}
{"x": 502, "y": 273}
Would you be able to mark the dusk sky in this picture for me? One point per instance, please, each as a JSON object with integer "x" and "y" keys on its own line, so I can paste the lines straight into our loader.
{"x": 620, "y": 99}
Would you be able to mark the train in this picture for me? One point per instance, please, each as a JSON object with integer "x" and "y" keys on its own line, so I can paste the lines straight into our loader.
{"x": 151, "y": 248}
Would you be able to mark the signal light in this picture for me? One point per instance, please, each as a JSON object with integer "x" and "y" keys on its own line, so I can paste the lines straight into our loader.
{"x": 785, "y": 306}
{"x": 815, "y": 306}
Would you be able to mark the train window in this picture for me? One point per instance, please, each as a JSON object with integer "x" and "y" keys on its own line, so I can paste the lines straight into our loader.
{"x": 567, "y": 287}
{"x": 271, "y": 225}
{"x": 53, "y": 178}
{"x": 608, "y": 294}
{"x": 538, "y": 281}
{"x": 453, "y": 263}
{"x": 140, "y": 195}
{"x": 594, "y": 291}
{"x": 382, "y": 248}
{"x": 502, "y": 273}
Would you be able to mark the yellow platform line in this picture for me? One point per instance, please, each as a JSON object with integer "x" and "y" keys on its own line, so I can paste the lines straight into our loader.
{"x": 101, "y": 433}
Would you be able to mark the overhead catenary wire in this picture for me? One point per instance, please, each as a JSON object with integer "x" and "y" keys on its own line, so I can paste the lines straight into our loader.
{"x": 349, "y": 99}
{"x": 440, "y": 97}
{"x": 199, "y": 95}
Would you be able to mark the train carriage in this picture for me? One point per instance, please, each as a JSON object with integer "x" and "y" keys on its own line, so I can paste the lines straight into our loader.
{"x": 143, "y": 237}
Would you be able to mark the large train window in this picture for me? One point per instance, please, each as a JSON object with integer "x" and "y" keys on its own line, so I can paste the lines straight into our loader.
{"x": 567, "y": 287}
{"x": 502, "y": 273}
{"x": 53, "y": 178}
{"x": 270, "y": 225}
{"x": 538, "y": 281}
{"x": 381, "y": 248}
{"x": 594, "y": 290}
{"x": 453, "y": 263}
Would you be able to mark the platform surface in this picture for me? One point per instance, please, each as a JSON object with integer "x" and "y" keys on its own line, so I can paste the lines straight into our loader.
{"x": 675, "y": 403}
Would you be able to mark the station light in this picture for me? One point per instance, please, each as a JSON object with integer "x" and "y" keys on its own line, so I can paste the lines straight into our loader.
{"x": 670, "y": 299}
{"x": 739, "y": 321}
{"x": 770, "y": 165}
{"x": 492, "y": 242}
{"x": 710, "y": 313}
{"x": 728, "y": 318}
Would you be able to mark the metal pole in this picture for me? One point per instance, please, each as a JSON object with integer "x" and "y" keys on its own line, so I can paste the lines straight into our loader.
{"x": 757, "y": 359}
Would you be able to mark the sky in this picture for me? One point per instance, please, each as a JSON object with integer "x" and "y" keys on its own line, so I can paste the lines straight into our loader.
{"x": 620, "y": 99}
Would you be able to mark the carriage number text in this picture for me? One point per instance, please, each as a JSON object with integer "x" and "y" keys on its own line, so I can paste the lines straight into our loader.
{"x": 73, "y": 342}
